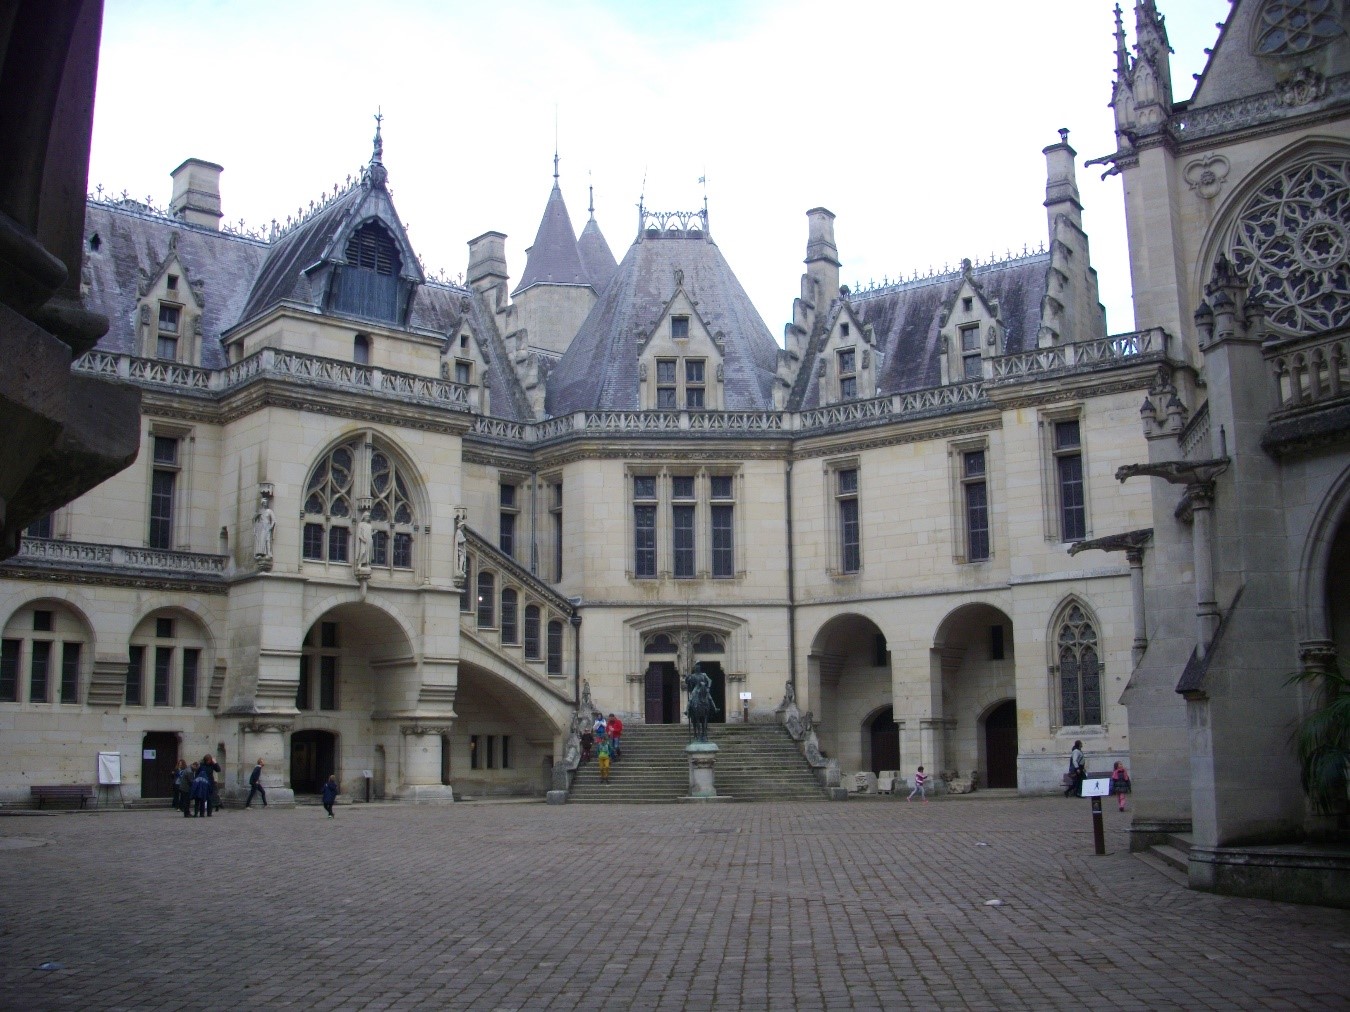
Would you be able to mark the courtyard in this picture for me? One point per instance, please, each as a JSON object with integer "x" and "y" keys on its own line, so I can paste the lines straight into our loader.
{"x": 877, "y": 904}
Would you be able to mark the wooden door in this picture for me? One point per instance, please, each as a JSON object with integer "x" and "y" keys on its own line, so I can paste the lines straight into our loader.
{"x": 1000, "y": 745}
{"x": 159, "y": 756}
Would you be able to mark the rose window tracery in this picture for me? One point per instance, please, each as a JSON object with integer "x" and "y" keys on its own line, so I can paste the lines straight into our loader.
{"x": 1291, "y": 243}
{"x": 1290, "y": 27}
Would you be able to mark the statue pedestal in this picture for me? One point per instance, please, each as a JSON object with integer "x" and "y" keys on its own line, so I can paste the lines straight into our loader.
{"x": 702, "y": 760}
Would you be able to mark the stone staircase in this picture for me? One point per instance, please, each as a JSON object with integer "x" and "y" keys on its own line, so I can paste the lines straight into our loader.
{"x": 755, "y": 762}
{"x": 1171, "y": 858}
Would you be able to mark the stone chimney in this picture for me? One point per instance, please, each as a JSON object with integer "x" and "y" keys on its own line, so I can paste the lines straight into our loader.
{"x": 822, "y": 258}
{"x": 487, "y": 261}
{"x": 1061, "y": 184}
{"x": 196, "y": 193}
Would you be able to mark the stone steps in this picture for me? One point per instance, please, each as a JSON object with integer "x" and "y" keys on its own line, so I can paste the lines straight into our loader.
{"x": 1172, "y": 858}
{"x": 756, "y": 762}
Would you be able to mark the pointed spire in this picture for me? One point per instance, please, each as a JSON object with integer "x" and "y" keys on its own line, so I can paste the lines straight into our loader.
{"x": 555, "y": 168}
{"x": 591, "y": 207}
{"x": 1122, "y": 53}
{"x": 376, "y": 171}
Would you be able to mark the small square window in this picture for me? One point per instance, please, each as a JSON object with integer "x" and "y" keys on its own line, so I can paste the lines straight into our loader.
{"x": 644, "y": 486}
{"x": 693, "y": 370}
{"x": 968, "y": 303}
{"x": 970, "y": 338}
{"x": 463, "y": 373}
{"x": 721, "y": 486}
{"x": 166, "y": 450}
{"x": 665, "y": 398}
{"x": 171, "y": 282}
{"x": 843, "y": 330}
{"x": 164, "y": 628}
{"x": 679, "y": 327}
{"x": 682, "y": 486}
{"x": 42, "y": 621}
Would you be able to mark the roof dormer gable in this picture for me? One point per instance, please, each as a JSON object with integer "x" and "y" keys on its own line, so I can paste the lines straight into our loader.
{"x": 169, "y": 311}
{"x": 681, "y": 365}
{"x": 848, "y": 363}
{"x": 970, "y": 331}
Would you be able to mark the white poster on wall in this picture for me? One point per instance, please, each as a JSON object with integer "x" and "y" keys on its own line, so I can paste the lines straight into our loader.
{"x": 109, "y": 768}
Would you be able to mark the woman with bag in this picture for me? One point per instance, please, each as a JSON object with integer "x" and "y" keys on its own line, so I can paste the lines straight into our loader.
{"x": 1120, "y": 783}
{"x": 1077, "y": 771}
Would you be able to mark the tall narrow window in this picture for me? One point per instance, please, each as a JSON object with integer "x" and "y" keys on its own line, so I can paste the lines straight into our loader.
{"x": 970, "y": 352}
{"x": 1079, "y": 670}
{"x": 555, "y": 510}
{"x": 163, "y": 484}
{"x": 39, "y": 671}
{"x": 532, "y": 632}
{"x": 361, "y": 349}
{"x": 70, "y": 672}
{"x": 302, "y": 690}
{"x": 10, "y": 652}
{"x": 191, "y": 664}
{"x": 486, "y": 604}
{"x": 1069, "y": 481}
{"x": 554, "y": 664}
{"x": 509, "y": 510}
{"x": 135, "y": 675}
{"x": 510, "y": 613}
{"x": 682, "y": 525}
{"x": 848, "y": 374}
{"x": 846, "y": 497}
{"x": 166, "y": 346}
{"x": 163, "y": 666}
{"x": 723, "y": 515}
{"x": 975, "y": 491}
{"x": 644, "y": 526}
{"x": 328, "y": 682}
{"x": 667, "y": 397}
{"x": 693, "y": 384}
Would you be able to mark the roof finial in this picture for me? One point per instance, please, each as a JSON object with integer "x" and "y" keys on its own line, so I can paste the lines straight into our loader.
{"x": 378, "y": 155}
{"x": 591, "y": 208}
{"x": 376, "y": 172}
{"x": 555, "y": 144}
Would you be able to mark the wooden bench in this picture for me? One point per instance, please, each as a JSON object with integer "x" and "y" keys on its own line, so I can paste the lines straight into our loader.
{"x": 62, "y": 792}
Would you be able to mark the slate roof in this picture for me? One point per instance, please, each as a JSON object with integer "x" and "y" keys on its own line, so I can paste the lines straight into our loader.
{"x": 596, "y": 257}
{"x": 554, "y": 258}
{"x": 600, "y": 368}
{"x": 133, "y": 246}
{"x": 905, "y": 317}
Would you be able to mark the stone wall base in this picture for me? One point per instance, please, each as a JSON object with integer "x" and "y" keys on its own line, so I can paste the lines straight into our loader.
{"x": 1291, "y": 873}
{"x": 1145, "y": 833}
{"x": 426, "y": 794}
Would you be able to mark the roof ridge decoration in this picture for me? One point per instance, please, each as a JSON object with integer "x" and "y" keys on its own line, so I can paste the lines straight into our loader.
{"x": 875, "y": 288}
{"x": 675, "y": 224}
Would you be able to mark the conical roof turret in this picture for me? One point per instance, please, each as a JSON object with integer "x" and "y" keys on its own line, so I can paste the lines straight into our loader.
{"x": 554, "y": 258}
{"x": 596, "y": 256}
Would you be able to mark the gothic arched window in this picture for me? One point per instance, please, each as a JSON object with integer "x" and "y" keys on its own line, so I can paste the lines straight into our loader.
{"x": 1079, "y": 664}
{"x": 350, "y": 475}
{"x": 532, "y": 632}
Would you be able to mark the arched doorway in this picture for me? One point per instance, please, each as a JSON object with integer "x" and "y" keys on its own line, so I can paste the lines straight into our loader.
{"x": 849, "y": 680}
{"x": 885, "y": 737}
{"x": 661, "y": 693}
{"x": 1000, "y": 745}
{"x": 313, "y": 758}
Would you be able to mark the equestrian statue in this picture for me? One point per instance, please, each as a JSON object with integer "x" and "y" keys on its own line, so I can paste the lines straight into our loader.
{"x": 701, "y": 704}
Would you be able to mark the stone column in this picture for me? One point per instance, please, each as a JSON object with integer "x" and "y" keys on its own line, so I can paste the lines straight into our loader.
{"x": 1201, "y": 499}
{"x": 421, "y": 764}
{"x": 265, "y": 740}
{"x": 932, "y": 747}
{"x": 1135, "y": 557}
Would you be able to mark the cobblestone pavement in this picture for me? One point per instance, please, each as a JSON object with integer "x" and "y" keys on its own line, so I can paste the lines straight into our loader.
{"x": 863, "y": 905}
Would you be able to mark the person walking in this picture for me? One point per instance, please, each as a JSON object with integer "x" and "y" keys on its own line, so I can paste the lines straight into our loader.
{"x": 201, "y": 792}
{"x": 605, "y": 748}
{"x": 330, "y": 793}
{"x": 920, "y": 785}
{"x": 182, "y": 786}
{"x": 207, "y": 769}
{"x": 255, "y": 785}
{"x": 1077, "y": 771}
{"x": 614, "y": 731}
{"x": 1120, "y": 783}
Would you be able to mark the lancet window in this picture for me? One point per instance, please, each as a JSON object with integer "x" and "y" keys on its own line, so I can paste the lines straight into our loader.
{"x": 1079, "y": 664}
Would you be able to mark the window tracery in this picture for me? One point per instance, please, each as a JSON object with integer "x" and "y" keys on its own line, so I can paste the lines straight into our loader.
{"x": 352, "y": 472}
{"x": 1291, "y": 27}
{"x": 1292, "y": 244}
{"x": 1079, "y": 665}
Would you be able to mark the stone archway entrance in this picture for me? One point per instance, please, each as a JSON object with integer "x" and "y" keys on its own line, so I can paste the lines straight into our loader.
{"x": 313, "y": 758}
{"x": 1000, "y": 745}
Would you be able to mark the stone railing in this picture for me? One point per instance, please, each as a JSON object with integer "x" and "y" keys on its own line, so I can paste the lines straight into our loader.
{"x": 88, "y": 555}
{"x": 1194, "y": 438}
{"x": 1113, "y": 350}
{"x": 272, "y": 363}
{"x": 1308, "y": 373}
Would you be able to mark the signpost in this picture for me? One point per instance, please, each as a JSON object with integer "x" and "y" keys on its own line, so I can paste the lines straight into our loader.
{"x": 1097, "y": 786}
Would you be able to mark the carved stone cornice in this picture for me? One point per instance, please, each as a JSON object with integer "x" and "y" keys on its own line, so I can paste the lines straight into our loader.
{"x": 419, "y": 728}
{"x": 1129, "y": 542}
{"x": 269, "y": 725}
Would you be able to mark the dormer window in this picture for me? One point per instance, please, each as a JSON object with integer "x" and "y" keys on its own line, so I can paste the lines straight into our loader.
{"x": 665, "y": 384}
{"x": 848, "y": 374}
{"x": 463, "y": 373}
{"x": 166, "y": 346}
{"x": 679, "y": 328}
{"x": 970, "y": 352}
{"x": 693, "y": 383}
{"x": 368, "y": 284}
{"x": 843, "y": 330}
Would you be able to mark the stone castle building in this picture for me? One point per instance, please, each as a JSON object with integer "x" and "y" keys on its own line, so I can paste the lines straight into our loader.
{"x": 385, "y": 524}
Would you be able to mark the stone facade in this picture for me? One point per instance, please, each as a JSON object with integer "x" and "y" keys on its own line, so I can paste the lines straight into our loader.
{"x": 877, "y": 511}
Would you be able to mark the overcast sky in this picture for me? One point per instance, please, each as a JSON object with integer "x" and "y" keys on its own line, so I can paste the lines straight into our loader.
{"x": 919, "y": 124}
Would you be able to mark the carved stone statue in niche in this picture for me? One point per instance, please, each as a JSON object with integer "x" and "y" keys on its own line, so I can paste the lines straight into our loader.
{"x": 264, "y": 524}
{"x": 461, "y": 547}
{"x": 361, "y": 556}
